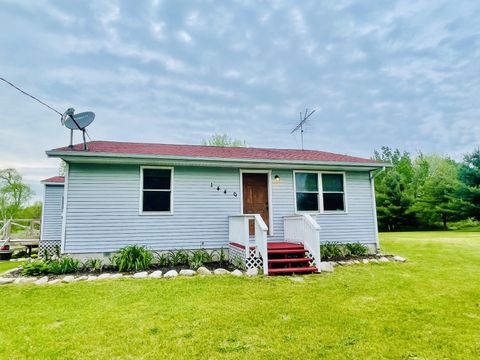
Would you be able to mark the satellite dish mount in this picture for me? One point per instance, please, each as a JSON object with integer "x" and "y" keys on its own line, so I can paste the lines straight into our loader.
{"x": 303, "y": 120}
{"x": 78, "y": 121}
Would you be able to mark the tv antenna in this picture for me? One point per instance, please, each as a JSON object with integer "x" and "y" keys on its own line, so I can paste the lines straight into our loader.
{"x": 78, "y": 121}
{"x": 303, "y": 120}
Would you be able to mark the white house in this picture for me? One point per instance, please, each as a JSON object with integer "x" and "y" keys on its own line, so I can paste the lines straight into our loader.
{"x": 258, "y": 203}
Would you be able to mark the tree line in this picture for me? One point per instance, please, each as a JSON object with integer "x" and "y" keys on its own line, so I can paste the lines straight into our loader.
{"x": 426, "y": 191}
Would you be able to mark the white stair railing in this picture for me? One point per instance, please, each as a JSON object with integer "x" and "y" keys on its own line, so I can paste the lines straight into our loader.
{"x": 304, "y": 229}
{"x": 239, "y": 233}
{"x": 261, "y": 230}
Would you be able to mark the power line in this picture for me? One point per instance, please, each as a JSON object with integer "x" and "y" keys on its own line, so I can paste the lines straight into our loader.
{"x": 40, "y": 101}
{"x": 33, "y": 97}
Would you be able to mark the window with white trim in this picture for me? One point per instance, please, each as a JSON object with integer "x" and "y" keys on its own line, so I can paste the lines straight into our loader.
{"x": 333, "y": 192}
{"x": 317, "y": 192}
{"x": 156, "y": 190}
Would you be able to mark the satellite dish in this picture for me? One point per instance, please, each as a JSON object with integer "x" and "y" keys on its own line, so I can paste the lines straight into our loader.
{"x": 78, "y": 121}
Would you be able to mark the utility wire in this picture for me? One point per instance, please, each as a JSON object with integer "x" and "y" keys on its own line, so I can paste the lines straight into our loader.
{"x": 40, "y": 101}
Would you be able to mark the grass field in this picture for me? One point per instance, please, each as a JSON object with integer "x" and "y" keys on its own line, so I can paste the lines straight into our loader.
{"x": 427, "y": 308}
{"x": 7, "y": 265}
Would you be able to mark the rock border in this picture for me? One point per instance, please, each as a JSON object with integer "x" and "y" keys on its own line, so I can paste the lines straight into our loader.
{"x": 326, "y": 267}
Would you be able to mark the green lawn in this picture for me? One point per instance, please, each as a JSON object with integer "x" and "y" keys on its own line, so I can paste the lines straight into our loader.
{"x": 427, "y": 308}
{"x": 7, "y": 265}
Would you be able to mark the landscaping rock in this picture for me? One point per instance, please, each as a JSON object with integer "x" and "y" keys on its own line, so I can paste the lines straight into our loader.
{"x": 81, "y": 278}
{"x": 383, "y": 259}
{"x": 252, "y": 272}
{"x": 343, "y": 263}
{"x": 220, "y": 271}
{"x": 326, "y": 266}
{"x": 53, "y": 282}
{"x": 140, "y": 275}
{"x": 186, "y": 272}
{"x": 373, "y": 261}
{"x": 68, "y": 279}
{"x": 104, "y": 276}
{"x": 6, "y": 280}
{"x": 356, "y": 262}
{"x": 365, "y": 261}
{"x": 399, "y": 258}
{"x": 91, "y": 278}
{"x": 236, "y": 272}
{"x": 42, "y": 281}
{"x": 170, "y": 274}
{"x": 25, "y": 280}
{"x": 156, "y": 274}
{"x": 203, "y": 271}
{"x": 117, "y": 276}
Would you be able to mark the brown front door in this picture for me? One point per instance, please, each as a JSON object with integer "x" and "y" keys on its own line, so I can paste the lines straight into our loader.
{"x": 255, "y": 196}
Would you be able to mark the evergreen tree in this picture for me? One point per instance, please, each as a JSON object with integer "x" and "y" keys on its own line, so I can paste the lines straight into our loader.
{"x": 469, "y": 175}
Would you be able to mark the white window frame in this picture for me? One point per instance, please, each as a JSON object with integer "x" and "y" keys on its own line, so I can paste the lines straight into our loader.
{"x": 156, "y": 213}
{"x": 321, "y": 210}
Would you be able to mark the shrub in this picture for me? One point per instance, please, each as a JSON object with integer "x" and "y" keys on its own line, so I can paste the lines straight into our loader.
{"x": 198, "y": 258}
{"x": 356, "y": 249}
{"x": 162, "y": 259}
{"x": 92, "y": 265}
{"x": 133, "y": 258}
{"x": 35, "y": 268}
{"x": 331, "y": 250}
{"x": 64, "y": 265}
{"x": 179, "y": 257}
{"x": 20, "y": 254}
{"x": 239, "y": 263}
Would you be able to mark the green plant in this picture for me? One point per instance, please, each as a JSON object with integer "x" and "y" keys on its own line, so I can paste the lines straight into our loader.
{"x": 35, "y": 268}
{"x": 58, "y": 251}
{"x": 198, "y": 258}
{"x": 46, "y": 255}
{"x": 93, "y": 265}
{"x": 331, "y": 250}
{"x": 64, "y": 265}
{"x": 356, "y": 249}
{"x": 20, "y": 254}
{"x": 179, "y": 257}
{"x": 162, "y": 259}
{"x": 133, "y": 258}
{"x": 223, "y": 257}
{"x": 238, "y": 262}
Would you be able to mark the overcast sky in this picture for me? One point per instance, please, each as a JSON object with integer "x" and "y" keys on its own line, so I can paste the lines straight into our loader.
{"x": 397, "y": 73}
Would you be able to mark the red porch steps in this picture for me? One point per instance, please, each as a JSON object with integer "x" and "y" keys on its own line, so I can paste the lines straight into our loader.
{"x": 288, "y": 258}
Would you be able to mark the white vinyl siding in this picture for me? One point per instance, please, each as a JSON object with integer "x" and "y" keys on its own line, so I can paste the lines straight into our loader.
{"x": 52, "y": 213}
{"x": 104, "y": 202}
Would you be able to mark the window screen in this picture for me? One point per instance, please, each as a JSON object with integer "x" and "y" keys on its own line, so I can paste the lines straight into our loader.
{"x": 156, "y": 190}
{"x": 307, "y": 191}
{"x": 333, "y": 192}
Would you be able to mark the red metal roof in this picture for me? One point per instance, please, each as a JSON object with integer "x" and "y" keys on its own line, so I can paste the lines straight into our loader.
{"x": 55, "y": 179}
{"x": 215, "y": 152}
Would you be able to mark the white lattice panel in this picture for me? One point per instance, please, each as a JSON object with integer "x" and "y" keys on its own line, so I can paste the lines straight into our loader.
{"x": 51, "y": 246}
{"x": 251, "y": 263}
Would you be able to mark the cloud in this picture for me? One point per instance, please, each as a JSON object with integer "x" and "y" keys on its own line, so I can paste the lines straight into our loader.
{"x": 184, "y": 37}
{"x": 379, "y": 73}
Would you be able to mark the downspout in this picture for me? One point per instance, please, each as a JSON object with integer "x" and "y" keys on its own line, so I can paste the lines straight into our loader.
{"x": 373, "y": 175}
